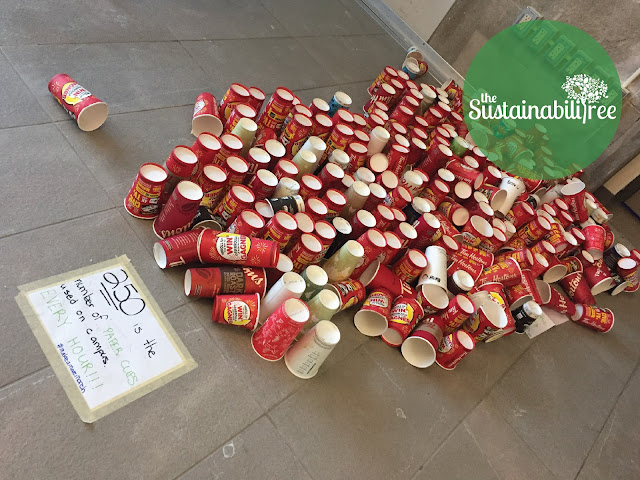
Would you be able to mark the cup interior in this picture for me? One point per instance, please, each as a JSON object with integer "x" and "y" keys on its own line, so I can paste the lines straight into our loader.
{"x": 372, "y": 324}
{"x": 253, "y": 219}
{"x": 237, "y": 164}
{"x": 311, "y": 242}
{"x": 153, "y": 173}
{"x": 267, "y": 177}
{"x": 275, "y": 148}
{"x": 243, "y": 193}
{"x": 417, "y": 258}
{"x": 231, "y": 141}
{"x": 284, "y": 264}
{"x": 418, "y": 352}
{"x": 294, "y": 282}
{"x": 296, "y": 310}
{"x": 190, "y": 190}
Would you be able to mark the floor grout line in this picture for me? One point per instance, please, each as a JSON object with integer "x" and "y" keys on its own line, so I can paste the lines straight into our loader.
{"x": 611, "y": 412}
{"x": 24, "y": 377}
{"x": 450, "y": 434}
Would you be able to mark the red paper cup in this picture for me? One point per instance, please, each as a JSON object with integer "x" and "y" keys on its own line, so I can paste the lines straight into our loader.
{"x": 373, "y": 242}
{"x": 316, "y": 208}
{"x": 426, "y": 227}
{"x": 455, "y": 213}
{"x": 507, "y": 272}
{"x": 143, "y": 198}
{"x": 296, "y": 133}
{"x": 263, "y": 184}
{"x": 533, "y": 231}
{"x": 520, "y": 213}
{"x": 236, "y": 169}
{"x": 600, "y": 319}
{"x": 177, "y": 215}
{"x": 577, "y": 288}
{"x": 271, "y": 340}
{"x": 182, "y": 162}
{"x": 350, "y": 292}
{"x": 594, "y": 240}
{"x": 339, "y": 137}
{"x": 405, "y": 314}
{"x": 280, "y": 228}
{"x": 420, "y": 348}
{"x": 488, "y": 320}
{"x": 310, "y": 186}
{"x": 410, "y": 265}
{"x": 476, "y": 230}
{"x": 392, "y": 249}
{"x": 228, "y": 280}
{"x": 362, "y": 222}
{"x": 436, "y": 191}
{"x": 248, "y": 223}
{"x": 357, "y": 155}
{"x": 231, "y": 145}
{"x": 242, "y": 110}
{"x": 460, "y": 308}
{"x": 378, "y": 276}
{"x": 177, "y": 250}
{"x": 573, "y": 194}
{"x": 335, "y": 201}
{"x": 560, "y": 303}
{"x": 285, "y": 168}
{"x": 384, "y": 77}
{"x": 230, "y": 248}
{"x": 305, "y": 251}
{"x": 373, "y": 317}
{"x": 322, "y": 126}
{"x": 87, "y": 110}
{"x": 481, "y": 257}
{"x": 628, "y": 270}
{"x": 206, "y": 148}
{"x": 453, "y": 349}
{"x": 598, "y": 277}
{"x": 237, "y": 199}
{"x": 256, "y": 99}
{"x": 238, "y": 310}
{"x": 318, "y": 105}
{"x": 277, "y": 109}
{"x": 235, "y": 95}
{"x": 326, "y": 233}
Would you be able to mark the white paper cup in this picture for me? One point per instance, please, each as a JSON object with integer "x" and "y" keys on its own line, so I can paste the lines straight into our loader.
{"x": 379, "y": 138}
{"x": 436, "y": 271}
{"x": 306, "y": 356}
{"x": 290, "y": 285}
{"x": 514, "y": 188}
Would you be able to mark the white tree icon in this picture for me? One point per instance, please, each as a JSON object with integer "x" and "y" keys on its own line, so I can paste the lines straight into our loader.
{"x": 585, "y": 88}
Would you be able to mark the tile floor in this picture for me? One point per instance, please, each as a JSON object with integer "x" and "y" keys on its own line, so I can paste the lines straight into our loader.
{"x": 561, "y": 406}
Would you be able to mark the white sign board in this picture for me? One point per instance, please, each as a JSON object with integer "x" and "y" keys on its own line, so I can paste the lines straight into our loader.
{"x": 104, "y": 335}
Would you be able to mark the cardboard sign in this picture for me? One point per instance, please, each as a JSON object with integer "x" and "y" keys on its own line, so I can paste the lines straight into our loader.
{"x": 104, "y": 335}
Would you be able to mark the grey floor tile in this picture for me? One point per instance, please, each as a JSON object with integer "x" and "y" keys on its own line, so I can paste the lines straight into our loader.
{"x": 74, "y": 21}
{"x": 329, "y": 17}
{"x": 364, "y": 16}
{"x": 256, "y": 453}
{"x": 43, "y": 180}
{"x": 616, "y": 452}
{"x": 128, "y": 76}
{"x": 18, "y": 107}
{"x": 270, "y": 382}
{"x": 266, "y": 63}
{"x": 355, "y": 58}
{"x": 158, "y": 436}
{"x": 216, "y": 19}
{"x": 557, "y": 398}
{"x": 56, "y": 249}
{"x": 115, "y": 152}
{"x": 370, "y": 402}
{"x": 459, "y": 458}
{"x": 507, "y": 453}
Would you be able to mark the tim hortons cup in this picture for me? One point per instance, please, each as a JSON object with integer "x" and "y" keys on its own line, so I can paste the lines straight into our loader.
{"x": 350, "y": 292}
{"x": 460, "y": 308}
{"x": 292, "y": 204}
{"x": 573, "y": 194}
{"x": 446, "y": 228}
{"x": 263, "y": 184}
{"x": 331, "y": 175}
{"x": 230, "y": 248}
{"x": 372, "y": 318}
{"x": 520, "y": 213}
{"x": 272, "y": 339}
{"x": 277, "y": 109}
{"x": 598, "y": 277}
{"x": 206, "y": 115}
{"x": 436, "y": 191}
{"x": 326, "y": 233}
{"x": 256, "y": 98}
{"x": 226, "y": 280}
{"x": 450, "y": 244}
{"x": 454, "y": 347}
{"x": 559, "y": 302}
{"x": 343, "y": 231}
{"x": 577, "y": 288}
{"x": 177, "y": 250}
{"x": 410, "y": 265}
{"x": 296, "y": 133}
{"x": 615, "y": 253}
{"x": 205, "y": 147}
{"x": 594, "y": 240}
{"x": 533, "y": 231}
{"x": 426, "y": 227}
{"x": 378, "y": 276}
{"x": 435, "y": 272}
{"x": 486, "y": 259}
{"x": 357, "y": 155}
{"x": 235, "y": 95}
{"x": 338, "y": 139}
{"x": 384, "y": 77}
{"x": 499, "y": 298}
{"x": 486, "y": 321}
{"x": 405, "y": 314}
{"x": 514, "y": 188}
{"x": 507, "y": 272}
{"x": 280, "y": 228}
{"x": 237, "y": 310}
{"x": 248, "y": 223}
{"x": 468, "y": 265}
{"x": 178, "y": 212}
{"x": 146, "y": 191}
{"x": 335, "y": 201}
{"x": 305, "y": 251}
{"x": 419, "y": 349}
{"x": 362, "y": 222}
{"x": 494, "y": 242}
{"x": 392, "y": 249}
{"x": 600, "y": 319}
{"x": 373, "y": 242}
{"x": 86, "y": 109}
{"x": 237, "y": 199}
{"x": 306, "y": 356}
{"x": 455, "y": 213}
{"x": 476, "y": 230}
{"x": 341, "y": 264}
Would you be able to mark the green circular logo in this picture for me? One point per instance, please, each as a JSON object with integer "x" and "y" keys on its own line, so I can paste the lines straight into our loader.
{"x": 542, "y": 99}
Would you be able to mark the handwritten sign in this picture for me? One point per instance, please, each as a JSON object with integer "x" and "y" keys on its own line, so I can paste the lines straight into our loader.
{"x": 104, "y": 335}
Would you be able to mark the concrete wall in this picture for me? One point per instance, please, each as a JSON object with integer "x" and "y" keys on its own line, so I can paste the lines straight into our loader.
{"x": 614, "y": 23}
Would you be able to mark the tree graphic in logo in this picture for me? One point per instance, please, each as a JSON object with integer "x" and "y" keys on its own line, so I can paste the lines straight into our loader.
{"x": 585, "y": 89}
